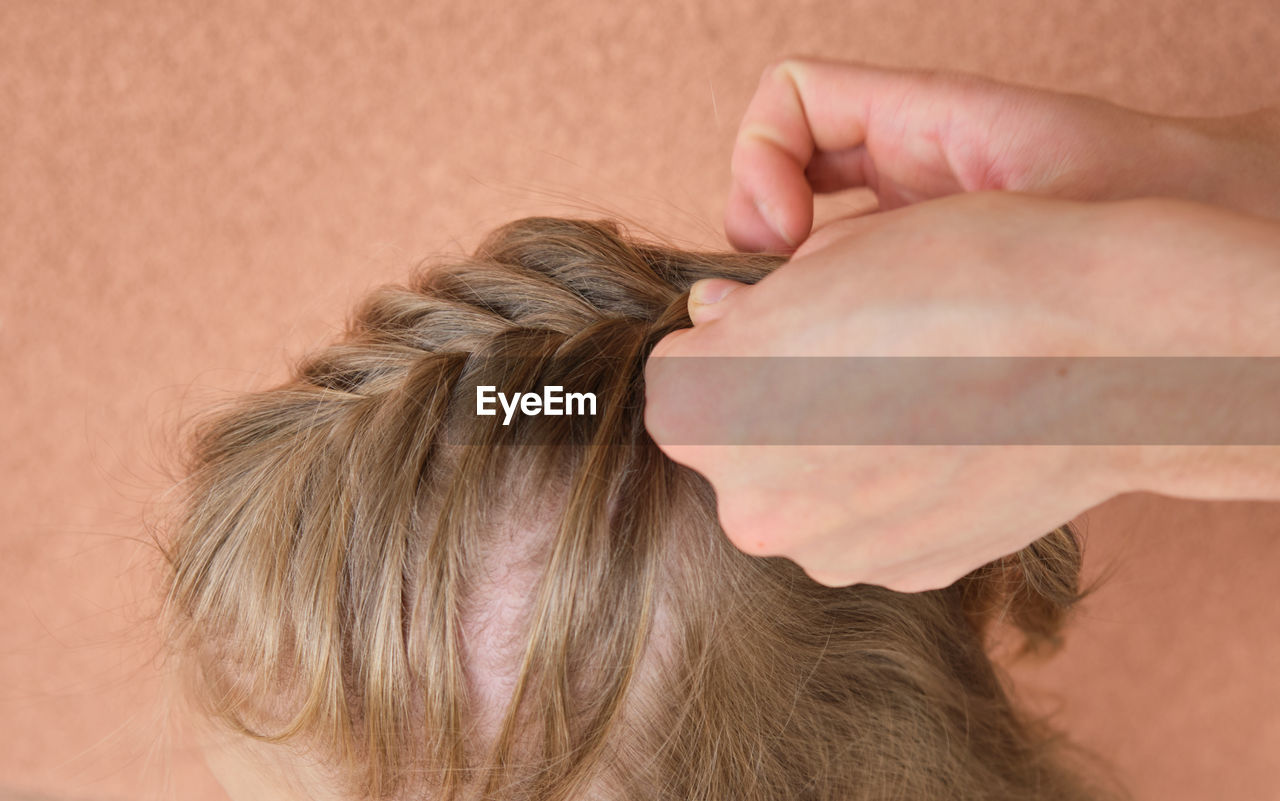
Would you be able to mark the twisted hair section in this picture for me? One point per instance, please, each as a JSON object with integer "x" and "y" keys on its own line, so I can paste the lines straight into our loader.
{"x": 337, "y": 529}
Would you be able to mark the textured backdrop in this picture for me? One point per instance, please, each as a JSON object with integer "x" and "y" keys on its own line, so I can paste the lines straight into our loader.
{"x": 193, "y": 193}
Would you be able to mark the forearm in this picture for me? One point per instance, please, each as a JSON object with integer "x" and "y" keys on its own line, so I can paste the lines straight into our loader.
{"x": 1224, "y": 273}
{"x": 1231, "y": 162}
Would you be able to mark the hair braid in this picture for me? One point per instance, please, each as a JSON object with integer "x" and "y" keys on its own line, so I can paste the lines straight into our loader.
{"x": 337, "y": 527}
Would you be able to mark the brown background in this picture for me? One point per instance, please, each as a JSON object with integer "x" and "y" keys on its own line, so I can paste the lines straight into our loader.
{"x": 192, "y": 195}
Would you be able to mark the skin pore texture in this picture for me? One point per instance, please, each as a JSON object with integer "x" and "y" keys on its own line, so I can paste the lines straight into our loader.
{"x": 988, "y": 274}
{"x": 817, "y": 125}
{"x": 376, "y": 593}
{"x": 982, "y": 246}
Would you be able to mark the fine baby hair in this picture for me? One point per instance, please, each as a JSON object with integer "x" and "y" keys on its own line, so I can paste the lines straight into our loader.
{"x": 423, "y": 602}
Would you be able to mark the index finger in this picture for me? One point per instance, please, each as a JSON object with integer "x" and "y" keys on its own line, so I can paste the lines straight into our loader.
{"x": 803, "y": 107}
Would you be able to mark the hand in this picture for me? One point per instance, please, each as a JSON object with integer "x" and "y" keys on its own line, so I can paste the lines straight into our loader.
{"x": 824, "y": 126}
{"x": 990, "y": 274}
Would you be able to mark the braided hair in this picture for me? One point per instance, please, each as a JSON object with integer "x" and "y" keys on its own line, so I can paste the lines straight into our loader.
{"x": 325, "y": 571}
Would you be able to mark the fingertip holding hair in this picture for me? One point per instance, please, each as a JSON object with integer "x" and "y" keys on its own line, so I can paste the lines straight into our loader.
{"x": 432, "y": 603}
{"x": 706, "y": 296}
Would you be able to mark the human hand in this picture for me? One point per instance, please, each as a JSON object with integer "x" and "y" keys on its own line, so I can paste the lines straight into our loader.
{"x": 823, "y": 126}
{"x": 989, "y": 274}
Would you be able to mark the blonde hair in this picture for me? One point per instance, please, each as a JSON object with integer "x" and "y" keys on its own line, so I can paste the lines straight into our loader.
{"x": 325, "y": 573}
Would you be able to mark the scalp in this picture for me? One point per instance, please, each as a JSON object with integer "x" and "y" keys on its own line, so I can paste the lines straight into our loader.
{"x": 444, "y": 604}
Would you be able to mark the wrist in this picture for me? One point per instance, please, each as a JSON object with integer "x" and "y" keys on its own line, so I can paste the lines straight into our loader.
{"x": 1215, "y": 440}
{"x": 1203, "y": 426}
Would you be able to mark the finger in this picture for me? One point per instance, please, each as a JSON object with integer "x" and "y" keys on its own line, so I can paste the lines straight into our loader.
{"x": 833, "y": 578}
{"x": 771, "y": 209}
{"x": 841, "y": 169}
{"x": 802, "y": 106}
{"x": 707, "y": 299}
{"x": 747, "y": 228}
{"x": 666, "y": 410}
{"x": 670, "y": 345}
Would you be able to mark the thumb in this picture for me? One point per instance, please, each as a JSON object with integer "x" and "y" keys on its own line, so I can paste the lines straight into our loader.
{"x": 708, "y": 299}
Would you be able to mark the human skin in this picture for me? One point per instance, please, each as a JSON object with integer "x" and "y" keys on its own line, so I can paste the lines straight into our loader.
{"x": 991, "y": 274}
{"x": 824, "y": 126}
{"x": 257, "y": 772}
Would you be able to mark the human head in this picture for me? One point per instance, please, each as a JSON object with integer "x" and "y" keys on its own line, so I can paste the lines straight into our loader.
{"x": 431, "y": 604}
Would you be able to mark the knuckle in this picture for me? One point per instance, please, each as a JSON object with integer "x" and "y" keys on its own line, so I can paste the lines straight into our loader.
{"x": 920, "y": 582}
{"x": 658, "y": 421}
{"x": 774, "y": 67}
{"x": 741, "y": 525}
{"x": 743, "y": 161}
{"x": 785, "y": 68}
{"x": 904, "y": 586}
{"x": 833, "y": 578}
{"x": 670, "y": 345}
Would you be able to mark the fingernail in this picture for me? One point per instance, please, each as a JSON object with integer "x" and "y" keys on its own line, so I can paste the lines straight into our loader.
{"x": 710, "y": 291}
{"x": 767, "y": 213}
